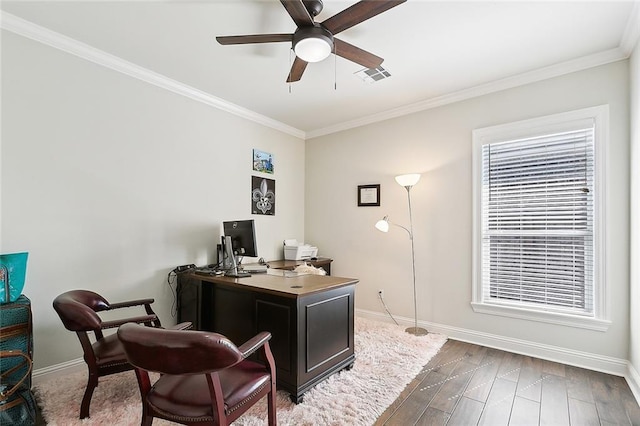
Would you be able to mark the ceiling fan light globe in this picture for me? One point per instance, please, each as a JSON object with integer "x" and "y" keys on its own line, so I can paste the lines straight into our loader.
{"x": 312, "y": 44}
{"x": 312, "y": 49}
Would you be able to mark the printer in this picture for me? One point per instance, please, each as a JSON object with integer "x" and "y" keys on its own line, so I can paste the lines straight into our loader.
{"x": 293, "y": 250}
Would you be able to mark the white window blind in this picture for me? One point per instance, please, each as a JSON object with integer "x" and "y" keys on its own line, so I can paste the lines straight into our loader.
{"x": 538, "y": 222}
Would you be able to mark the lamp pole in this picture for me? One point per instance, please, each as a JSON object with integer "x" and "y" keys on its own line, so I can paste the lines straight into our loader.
{"x": 407, "y": 181}
{"x": 415, "y": 330}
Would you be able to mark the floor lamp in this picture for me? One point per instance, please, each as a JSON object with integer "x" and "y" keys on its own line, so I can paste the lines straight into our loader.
{"x": 408, "y": 181}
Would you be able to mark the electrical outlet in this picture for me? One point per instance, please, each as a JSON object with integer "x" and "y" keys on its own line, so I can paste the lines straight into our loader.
{"x": 381, "y": 293}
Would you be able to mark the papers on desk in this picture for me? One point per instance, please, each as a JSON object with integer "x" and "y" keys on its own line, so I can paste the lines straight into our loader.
{"x": 285, "y": 273}
{"x": 255, "y": 269}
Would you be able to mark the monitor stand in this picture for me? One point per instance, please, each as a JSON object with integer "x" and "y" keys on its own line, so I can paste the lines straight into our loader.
{"x": 233, "y": 271}
{"x": 236, "y": 274}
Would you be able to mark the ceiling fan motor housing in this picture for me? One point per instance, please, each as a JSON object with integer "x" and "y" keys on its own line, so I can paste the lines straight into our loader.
{"x": 312, "y": 44}
{"x": 314, "y": 7}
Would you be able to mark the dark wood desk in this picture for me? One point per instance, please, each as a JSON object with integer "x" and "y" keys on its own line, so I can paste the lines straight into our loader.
{"x": 310, "y": 318}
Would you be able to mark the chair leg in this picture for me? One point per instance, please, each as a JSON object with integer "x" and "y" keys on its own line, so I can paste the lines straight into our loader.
{"x": 147, "y": 419}
{"x": 88, "y": 393}
{"x": 271, "y": 406}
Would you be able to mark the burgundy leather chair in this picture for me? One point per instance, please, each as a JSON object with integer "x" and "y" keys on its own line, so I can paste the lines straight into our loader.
{"x": 204, "y": 378}
{"x": 78, "y": 310}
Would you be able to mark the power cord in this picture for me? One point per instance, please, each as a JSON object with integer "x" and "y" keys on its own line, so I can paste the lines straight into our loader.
{"x": 171, "y": 280}
{"x": 385, "y": 307}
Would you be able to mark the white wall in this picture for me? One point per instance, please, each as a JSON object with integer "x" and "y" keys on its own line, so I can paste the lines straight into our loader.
{"x": 109, "y": 183}
{"x": 634, "y": 341}
{"x": 437, "y": 143}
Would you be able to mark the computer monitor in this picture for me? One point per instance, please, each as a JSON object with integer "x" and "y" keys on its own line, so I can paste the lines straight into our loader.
{"x": 243, "y": 237}
{"x": 239, "y": 240}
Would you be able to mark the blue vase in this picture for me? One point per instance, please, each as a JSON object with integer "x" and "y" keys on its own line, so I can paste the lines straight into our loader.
{"x": 13, "y": 269}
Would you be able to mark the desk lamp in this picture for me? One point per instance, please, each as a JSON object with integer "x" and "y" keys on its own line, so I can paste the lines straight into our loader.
{"x": 383, "y": 225}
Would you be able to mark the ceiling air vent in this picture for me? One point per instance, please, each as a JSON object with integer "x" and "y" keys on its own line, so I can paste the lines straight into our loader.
{"x": 371, "y": 75}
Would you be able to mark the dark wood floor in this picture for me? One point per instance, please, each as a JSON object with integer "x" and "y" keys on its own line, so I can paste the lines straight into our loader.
{"x": 466, "y": 384}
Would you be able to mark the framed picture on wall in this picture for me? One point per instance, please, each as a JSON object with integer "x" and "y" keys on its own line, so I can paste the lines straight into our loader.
{"x": 262, "y": 161}
{"x": 369, "y": 195}
{"x": 263, "y": 196}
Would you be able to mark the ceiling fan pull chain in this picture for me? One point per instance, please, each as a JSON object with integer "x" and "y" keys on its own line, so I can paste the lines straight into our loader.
{"x": 289, "y": 79}
{"x": 335, "y": 69}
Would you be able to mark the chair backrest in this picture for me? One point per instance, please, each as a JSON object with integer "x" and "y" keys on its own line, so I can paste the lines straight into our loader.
{"x": 177, "y": 351}
{"x": 77, "y": 309}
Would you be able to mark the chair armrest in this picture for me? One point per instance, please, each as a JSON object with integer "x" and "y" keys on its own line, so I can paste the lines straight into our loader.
{"x": 117, "y": 323}
{"x": 253, "y": 344}
{"x": 130, "y": 303}
{"x": 187, "y": 325}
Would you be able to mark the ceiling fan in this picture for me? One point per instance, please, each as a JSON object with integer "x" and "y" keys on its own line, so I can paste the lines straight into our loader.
{"x": 314, "y": 41}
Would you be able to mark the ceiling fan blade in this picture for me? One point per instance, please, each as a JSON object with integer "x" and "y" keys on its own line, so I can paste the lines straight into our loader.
{"x": 297, "y": 69}
{"x": 357, "y": 13}
{"x": 298, "y": 12}
{"x": 254, "y": 38}
{"x": 357, "y": 55}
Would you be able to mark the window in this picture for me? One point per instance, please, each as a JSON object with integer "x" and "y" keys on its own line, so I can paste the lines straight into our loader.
{"x": 538, "y": 219}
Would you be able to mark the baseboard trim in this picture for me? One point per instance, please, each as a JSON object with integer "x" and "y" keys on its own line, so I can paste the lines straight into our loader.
{"x": 41, "y": 375}
{"x": 633, "y": 380}
{"x": 609, "y": 365}
{"x": 605, "y": 364}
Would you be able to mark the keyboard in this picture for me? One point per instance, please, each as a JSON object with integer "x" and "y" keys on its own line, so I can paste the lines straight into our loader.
{"x": 205, "y": 271}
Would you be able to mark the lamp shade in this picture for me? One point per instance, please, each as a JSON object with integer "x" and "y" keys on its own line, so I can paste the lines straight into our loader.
{"x": 383, "y": 224}
{"x": 408, "y": 179}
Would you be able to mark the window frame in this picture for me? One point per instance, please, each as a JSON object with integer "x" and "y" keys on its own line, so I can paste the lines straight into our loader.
{"x": 599, "y": 115}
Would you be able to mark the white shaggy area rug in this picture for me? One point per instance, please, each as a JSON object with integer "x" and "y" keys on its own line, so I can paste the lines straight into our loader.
{"x": 387, "y": 359}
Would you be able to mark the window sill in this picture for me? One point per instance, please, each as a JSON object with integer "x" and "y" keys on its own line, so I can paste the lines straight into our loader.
{"x": 547, "y": 317}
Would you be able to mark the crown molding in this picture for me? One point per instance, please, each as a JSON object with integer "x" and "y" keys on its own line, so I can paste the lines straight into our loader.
{"x": 601, "y": 58}
{"x": 69, "y": 45}
{"x": 629, "y": 39}
{"x": 631, "y": 33}
{"x": 56, "y": 40}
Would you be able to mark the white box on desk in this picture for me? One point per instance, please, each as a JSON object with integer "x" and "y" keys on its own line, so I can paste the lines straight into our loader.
{"x": 300, "y": 252}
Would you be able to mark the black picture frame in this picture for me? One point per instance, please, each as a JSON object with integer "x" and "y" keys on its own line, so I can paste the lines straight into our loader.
{"x": 263, "y": 196}
{"x": 369, "y": 195}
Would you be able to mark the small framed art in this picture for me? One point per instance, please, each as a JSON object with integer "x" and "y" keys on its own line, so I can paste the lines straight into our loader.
{"x": 262, "y": 161}
{"x": 368, "y": 195}
{"x": 263, "y": 196}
